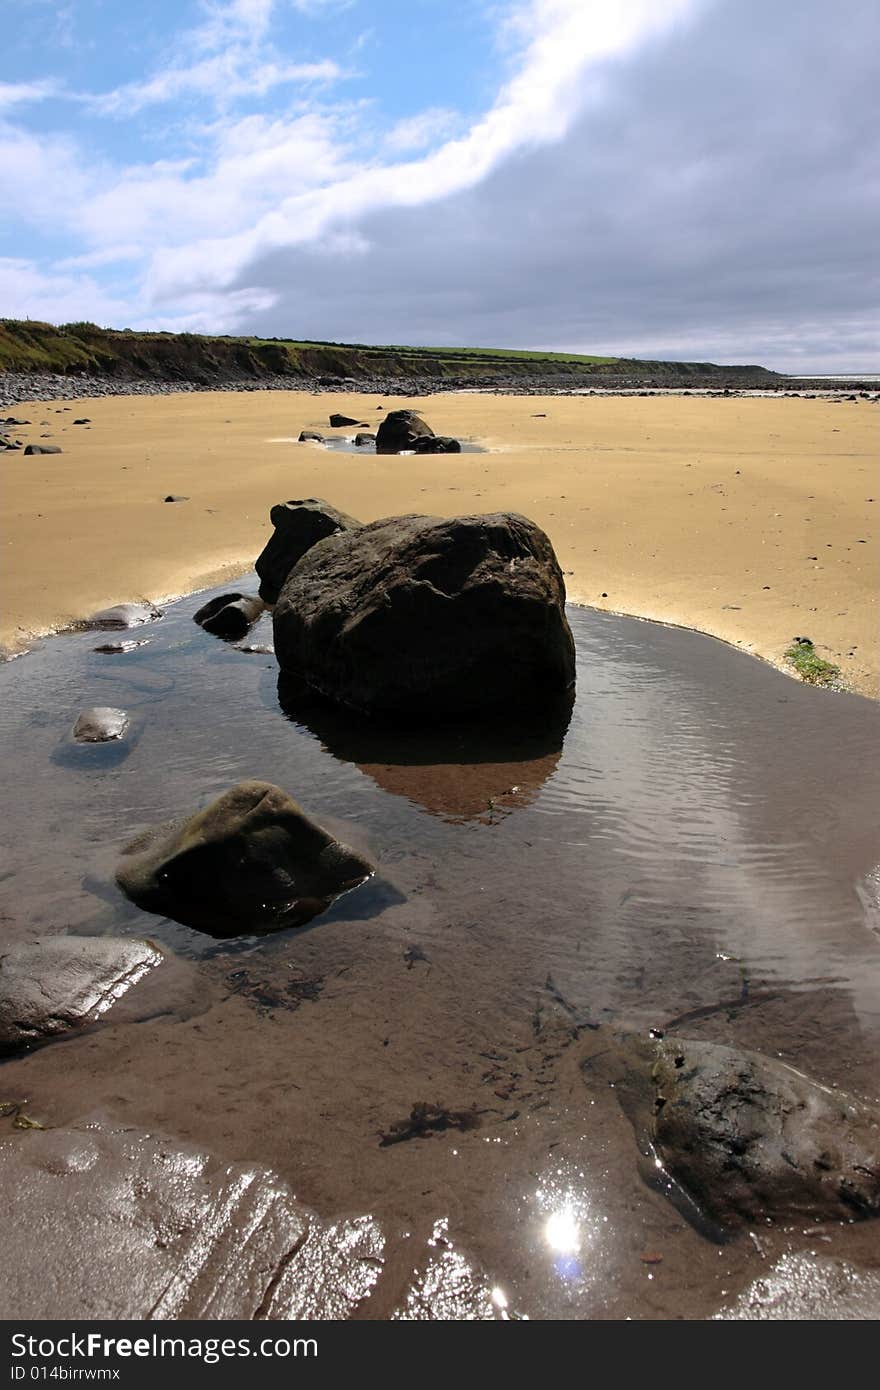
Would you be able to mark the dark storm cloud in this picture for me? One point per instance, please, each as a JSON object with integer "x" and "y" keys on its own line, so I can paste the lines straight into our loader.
{"x": 719, "y": 200}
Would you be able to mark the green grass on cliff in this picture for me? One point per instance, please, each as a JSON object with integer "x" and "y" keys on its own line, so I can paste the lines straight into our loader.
{"x": 30, "y": 346}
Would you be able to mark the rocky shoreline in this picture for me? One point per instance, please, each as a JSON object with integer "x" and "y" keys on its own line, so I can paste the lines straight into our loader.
{"x": 18, "y": 387}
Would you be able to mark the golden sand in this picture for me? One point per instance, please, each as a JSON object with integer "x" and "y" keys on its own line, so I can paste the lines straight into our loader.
{"x": 753, "y": 519}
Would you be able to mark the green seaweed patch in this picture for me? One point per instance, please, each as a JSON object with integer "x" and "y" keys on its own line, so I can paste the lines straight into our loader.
{"x": 809, "y": 665}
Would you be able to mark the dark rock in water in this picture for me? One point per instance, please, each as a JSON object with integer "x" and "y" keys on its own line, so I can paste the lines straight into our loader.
{"x": 364, "y": 438}
{"x": 109, "y": 1221}
{"x": 252, "y": 861}
{"x": 749, "y": 1138}
{"x": 339, "y": 422}
{"x": 57, "y": 983}
{"x": 100, "y": 725}
{"x": 306, "y": 435}
{"x": 428, "y": 617}
{"x": 298, "y": 526}
{"x": 43, "y": 449}
{"x": 123, "y": 615}
{"x": 399, "y": 430}
{"x": 258, "y": 649}
{"x": 230, "y": 615}
{"x": 436, "y": 444}
{"x": 118, "y": 648}
{"x": 175, "y": 497}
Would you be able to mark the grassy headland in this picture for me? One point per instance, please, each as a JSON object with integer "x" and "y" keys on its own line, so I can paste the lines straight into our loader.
{"x": 85, "y": 349}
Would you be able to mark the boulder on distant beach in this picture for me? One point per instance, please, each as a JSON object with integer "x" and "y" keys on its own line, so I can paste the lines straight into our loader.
{"x": 310, "y": 436}
{"x": 43, "y": 449}
{"x": 298, "y": 526}
{"x": 399, "y": 430}
{"x": 436, "y": 444}
{"x": 422, "y": 616}
{"x": 230, "y": 615}
{"x": 364, "y": 438}
{"x": 746, "y": 1137}
{"x": 252, "y": 861}
{"x": 54, "y": 984}
{"x": 339, "y": 422}
{"x": 101, "y": 724}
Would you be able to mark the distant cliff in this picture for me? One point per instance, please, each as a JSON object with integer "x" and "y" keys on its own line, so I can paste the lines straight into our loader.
{"x": 83, "y": 349}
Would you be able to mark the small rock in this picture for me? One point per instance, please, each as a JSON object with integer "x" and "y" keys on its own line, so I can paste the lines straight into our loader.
{"x": 43, "y": 449}
{"x": 101, "y": 724}
{"x": 230, "y": 615}
{"x": 339, "y": 422}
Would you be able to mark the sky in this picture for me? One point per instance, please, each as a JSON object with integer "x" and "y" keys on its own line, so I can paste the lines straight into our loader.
{"x": 679, "y": 179}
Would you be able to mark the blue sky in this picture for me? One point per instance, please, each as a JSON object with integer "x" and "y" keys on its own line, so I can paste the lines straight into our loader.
{"x": 678, "y": 178}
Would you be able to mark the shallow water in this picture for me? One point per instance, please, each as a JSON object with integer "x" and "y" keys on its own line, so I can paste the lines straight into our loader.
{"x": 694, "y": 844}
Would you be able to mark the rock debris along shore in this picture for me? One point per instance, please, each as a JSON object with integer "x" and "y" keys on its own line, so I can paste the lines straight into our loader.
{"x": 16, "y": 387}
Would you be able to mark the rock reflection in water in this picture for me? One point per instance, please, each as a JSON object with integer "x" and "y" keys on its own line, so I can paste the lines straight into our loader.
{"x": 461, "y": 771}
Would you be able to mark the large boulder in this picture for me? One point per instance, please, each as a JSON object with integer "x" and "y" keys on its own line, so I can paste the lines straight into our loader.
{"x": 422, "y": 616}
{"x": 746, "y": 1137}
{"x": 298, "y": 526}
{"x": 252, "y": 861}
{"x": 399, "y": 430}
{"x": 54, "y": 984}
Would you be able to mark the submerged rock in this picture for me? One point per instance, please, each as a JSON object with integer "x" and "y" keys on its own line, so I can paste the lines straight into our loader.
{"x": 252, "y": 861}
{"x": 422, "y": 616}
{"x": 310, "y": 436}
{"x": 230, "y": 615}
{"x": 298, "y": 526}
{"x": 101, "y": 724}
{"x": 748, "y": 1138}
{"x": 399, "y": 430}
{"x": 123, "y": 615}
{"x": 58, "y": 983}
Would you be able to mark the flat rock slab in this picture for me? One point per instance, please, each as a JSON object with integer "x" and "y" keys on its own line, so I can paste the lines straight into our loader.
{"x": 807, "y": 1288}
{"x": 123, "y": 615}
{"x": 109, "y": 1223}
{"x": 100, "y": 724}
{"x": 58, "y": 983}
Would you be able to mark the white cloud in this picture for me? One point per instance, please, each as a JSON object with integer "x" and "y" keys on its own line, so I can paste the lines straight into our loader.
{"x": 18, "y": 93}
{"x": 224, "y": 77}
{"x": 426, "y": 128}
{"x": 561, "y": 41}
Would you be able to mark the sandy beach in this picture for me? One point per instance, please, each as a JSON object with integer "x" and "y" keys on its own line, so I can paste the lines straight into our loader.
{"x": 752, "y": 519}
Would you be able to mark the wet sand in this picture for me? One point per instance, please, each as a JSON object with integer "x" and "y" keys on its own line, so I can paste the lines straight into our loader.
{"x": 752, "y": 519}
